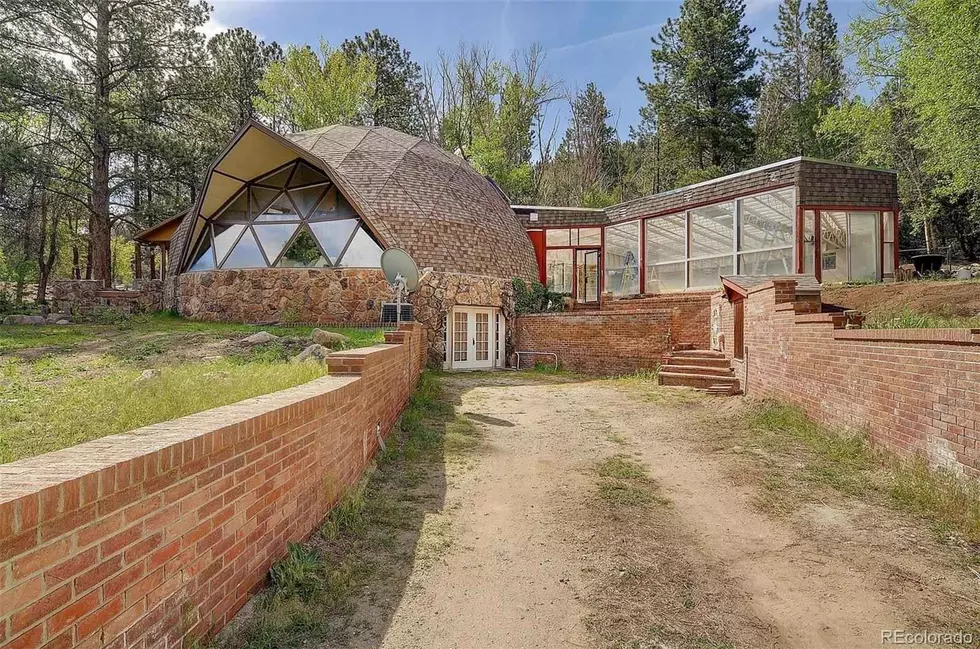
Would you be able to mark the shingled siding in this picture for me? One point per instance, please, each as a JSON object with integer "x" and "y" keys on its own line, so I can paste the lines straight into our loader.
{"x": 155, "y": 538}
{"x": 841, "y": 185}
{"x": 911, "y": 390}
{"x": 625, "y": 336}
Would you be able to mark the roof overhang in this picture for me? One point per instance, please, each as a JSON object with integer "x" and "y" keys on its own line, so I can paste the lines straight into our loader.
{"x": 161, "y": 233}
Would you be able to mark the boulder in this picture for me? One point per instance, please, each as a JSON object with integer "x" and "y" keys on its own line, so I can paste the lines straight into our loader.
{"x": 146, "y": 375}
{"x": 24, "y": 320}
{"x": 63, "y": 322}
{"x": 312, "y": 352}
{"x": 55, "y": 317}
{"x": 260, "y": 338}
{"x": 328, "y": 338}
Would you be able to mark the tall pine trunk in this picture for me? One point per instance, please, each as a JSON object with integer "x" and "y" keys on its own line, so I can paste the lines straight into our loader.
{"x": 99, "y": 225}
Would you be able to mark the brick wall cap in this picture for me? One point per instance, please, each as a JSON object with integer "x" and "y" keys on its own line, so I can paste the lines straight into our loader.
{"x": 940, "y": 336}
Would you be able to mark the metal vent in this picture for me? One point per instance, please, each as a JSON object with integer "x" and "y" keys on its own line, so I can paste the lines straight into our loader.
{"x": 389, "y": 312}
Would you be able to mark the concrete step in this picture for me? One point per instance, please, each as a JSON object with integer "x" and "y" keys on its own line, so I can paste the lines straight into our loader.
{"x": 697, "y": 353}
{"x": 683, "y": 347}
{"x": 701, "y": 381}
{"x": 677, "y": 368}
{"x": 723, "y": 390}
{"x": 709, "y": 361}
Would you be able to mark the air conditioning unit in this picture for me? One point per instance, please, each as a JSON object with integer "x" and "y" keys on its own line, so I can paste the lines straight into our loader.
{"x": 389, "y": 312}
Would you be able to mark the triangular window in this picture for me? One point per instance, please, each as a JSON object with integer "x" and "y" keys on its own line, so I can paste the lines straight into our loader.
{"x": 333, "y": 235}
{"x": 306, "y": 175}
{"x": 277, "y": 179}
{"x": 306, "y": 199}
{"x": 303, "y": 253}
{"x": 237, "y": 210}
{"x": 225, "y": 236}
{"x": 363, "y": 251}
{"x": 281, "y": 210}
{"x": 273, "y": 237}
{"x": 204, "y": 258}
{"x": 246, "y": 254}
{"x": 262, "y": 197}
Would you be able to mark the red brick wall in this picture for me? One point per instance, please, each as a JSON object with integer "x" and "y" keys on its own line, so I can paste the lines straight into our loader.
{"x": 690, "y": 313}
{"x": 912, "y": 390}
{"x": 157, "y": 537}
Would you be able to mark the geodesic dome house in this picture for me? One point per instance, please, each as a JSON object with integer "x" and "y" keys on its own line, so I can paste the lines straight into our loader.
{"x": 291, "y": 228}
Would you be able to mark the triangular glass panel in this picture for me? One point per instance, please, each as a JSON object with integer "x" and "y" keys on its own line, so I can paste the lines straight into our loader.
{"x": 333, "y": 206}
{"x": 273, "y": 236}
{"x": 225, "y": 236}
{"x": 262, "y": 197}
{"x": 281, "y": 210}
{"x": 363, "y": 251}
{"x": 303, "y": 253}
{"x": 236, "y": 212}
{"x": 277, "y": 179}
{"x": 306, "y": 175}
{"x": 246, "y": 254}
{"x": 333, "y": 235}
{"x": 306, "y": 199}
{"x": 204, "y": 258}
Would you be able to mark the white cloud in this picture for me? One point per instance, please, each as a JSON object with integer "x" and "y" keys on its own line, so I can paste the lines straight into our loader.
{"x": 212, "y": 27}
{"x": 648, "y": 30}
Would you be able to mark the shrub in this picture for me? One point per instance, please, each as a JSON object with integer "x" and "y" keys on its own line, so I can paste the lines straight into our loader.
{"x": 536, "y": 298}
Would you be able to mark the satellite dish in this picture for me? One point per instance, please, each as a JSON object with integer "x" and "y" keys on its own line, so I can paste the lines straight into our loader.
{"x": 402, "y": 273}
{"x": 400, "y": 268}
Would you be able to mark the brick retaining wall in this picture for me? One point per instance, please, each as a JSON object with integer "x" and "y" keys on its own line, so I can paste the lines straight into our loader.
{"x": 912, "y": 390}
{"x": 625, "y": 336}
{"x": 156, "y": 537}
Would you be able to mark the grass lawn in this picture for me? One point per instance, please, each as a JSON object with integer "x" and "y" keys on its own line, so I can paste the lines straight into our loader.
{"x": 63, "y": 385}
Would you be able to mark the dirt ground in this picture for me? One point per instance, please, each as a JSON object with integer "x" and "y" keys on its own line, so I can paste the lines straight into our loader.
{"x": 525, "y": 551}
{"x": 945, "y": 298}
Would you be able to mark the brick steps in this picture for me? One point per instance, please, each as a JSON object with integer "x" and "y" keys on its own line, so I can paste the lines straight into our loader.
{"x": 702, "y": 369}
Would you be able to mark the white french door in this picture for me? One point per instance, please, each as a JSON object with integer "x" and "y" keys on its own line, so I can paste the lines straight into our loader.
{"x": 473, "y": 338}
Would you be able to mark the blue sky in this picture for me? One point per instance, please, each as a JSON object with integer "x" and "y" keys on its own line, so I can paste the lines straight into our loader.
{"x": 606, "y": 42}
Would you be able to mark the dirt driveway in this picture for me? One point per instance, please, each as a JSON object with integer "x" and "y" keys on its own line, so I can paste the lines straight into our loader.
{"x": 550, "y": 536}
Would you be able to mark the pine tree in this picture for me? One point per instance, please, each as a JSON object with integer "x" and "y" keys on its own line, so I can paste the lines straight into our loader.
{"x": 704, "y": 89}
{"x": 584, "y": 166}
{"x": 804, "y": 77}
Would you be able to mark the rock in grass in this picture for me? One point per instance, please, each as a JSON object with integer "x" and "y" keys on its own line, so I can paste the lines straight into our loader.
{"x": 328, "y": 338}
{"x": 260, "y": 338}
{"x": 24, "y": 320}
{"x": 63, "y": 322}
{"x": 314, "y": 352}
{"x": 146, "y": 375}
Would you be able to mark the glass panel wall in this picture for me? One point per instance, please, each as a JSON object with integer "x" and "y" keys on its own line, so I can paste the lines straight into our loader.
{"x": 622, "y": 253}
{"x": 712, "y": 246}
{"x": 833, "y": 246}
{"x": 291, "y": 218}
{"x": 888, "y": 243}
{"x": 560, "y": 270}
{"x": 666, "y": 253}
{"x": 863, "y": 245}
{"x": 765, "y": 234}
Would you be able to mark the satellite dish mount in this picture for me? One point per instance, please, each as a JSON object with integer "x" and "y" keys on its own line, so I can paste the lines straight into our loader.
{"x": 402, "y": 273}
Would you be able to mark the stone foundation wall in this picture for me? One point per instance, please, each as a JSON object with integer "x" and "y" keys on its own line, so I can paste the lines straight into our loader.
{"x": 85, "y": 297}
{"x": 260, "y": 295}
{"x": 437, "y": 293}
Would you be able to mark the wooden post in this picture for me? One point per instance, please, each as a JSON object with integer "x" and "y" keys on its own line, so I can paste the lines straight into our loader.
{"x": 138, "y": 262}
{"x": 163, "y": 260}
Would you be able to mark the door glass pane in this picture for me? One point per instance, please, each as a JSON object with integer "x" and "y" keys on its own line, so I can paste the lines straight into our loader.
{"x": 662, "y": 278}
{"x": 833, "y": 246}
{"x": 557, "y": 237}
{"x": 273, "y": 236}
{"x": 482, "y": 336}
{"x": 768, "y": 262}
{"x": 236, "y": 212}
{"x": 560, "y": 270}
{"x": 333, "y": 235}
{"x": 245, "y": 254}
{"x": 280, "y": 210}
{"x": 587, "y": 269}
{"x": 712, "y": 230}
{"x": 706, "y": 273}
{"x": 622, "y": 252}
{"x": 303, "y": 253}
{"x": 863, "y": 243}
{"x": 808, "y": 243}
{"x": 362, "y": 252}
{"x": 460, "y": 336}
{"x": 224, "y": 237}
